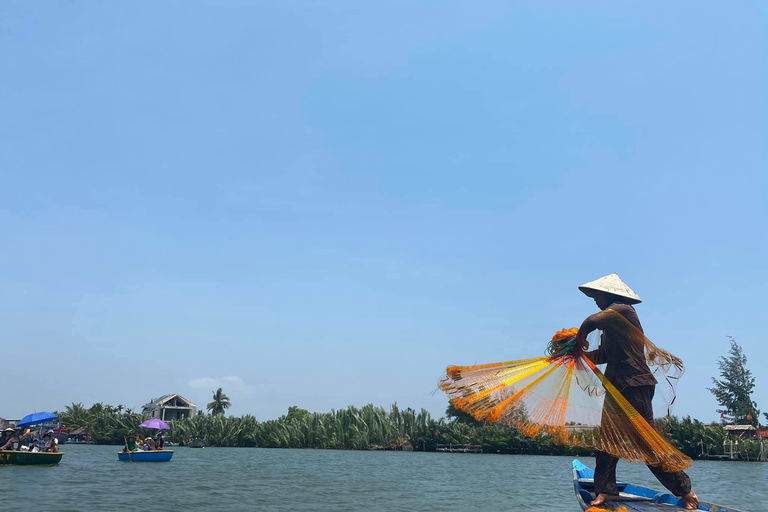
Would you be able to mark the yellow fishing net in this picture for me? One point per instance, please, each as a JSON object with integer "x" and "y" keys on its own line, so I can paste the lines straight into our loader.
{"x": 566, "y": 396}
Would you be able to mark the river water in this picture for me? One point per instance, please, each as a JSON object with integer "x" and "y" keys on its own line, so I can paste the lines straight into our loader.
{"x": 91, "y": 478}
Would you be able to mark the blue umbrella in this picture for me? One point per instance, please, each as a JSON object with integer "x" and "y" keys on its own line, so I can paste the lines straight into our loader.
{"x": 35, "y": 418}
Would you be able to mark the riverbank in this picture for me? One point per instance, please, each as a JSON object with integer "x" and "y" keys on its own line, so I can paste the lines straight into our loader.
{"x": 375, "y": 428}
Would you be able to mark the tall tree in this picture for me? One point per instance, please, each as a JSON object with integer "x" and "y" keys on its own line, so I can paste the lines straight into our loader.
{"x": 733, "y": 390}
{"x": 220, "y": 403}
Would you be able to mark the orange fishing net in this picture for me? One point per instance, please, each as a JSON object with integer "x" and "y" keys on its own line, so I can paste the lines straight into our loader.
{"x": 566, "y": 396}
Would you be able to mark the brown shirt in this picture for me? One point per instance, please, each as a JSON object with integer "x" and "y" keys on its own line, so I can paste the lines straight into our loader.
{"x": 624, "y": 355}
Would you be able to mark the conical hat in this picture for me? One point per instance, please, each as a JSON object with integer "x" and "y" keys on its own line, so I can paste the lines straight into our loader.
{"x": 610, "y": 284}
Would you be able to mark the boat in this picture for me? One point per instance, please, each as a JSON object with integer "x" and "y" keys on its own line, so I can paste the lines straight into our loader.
{"x": 151, "y": 456}
{"x": 23, "y": 458}
{"x": 632, "y": 498}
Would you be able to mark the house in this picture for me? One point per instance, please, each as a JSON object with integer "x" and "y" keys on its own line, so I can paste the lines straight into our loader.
{"x": 170, "y": 407}
{"x": 80, "y": 436}
{"x": 741, "y": 431}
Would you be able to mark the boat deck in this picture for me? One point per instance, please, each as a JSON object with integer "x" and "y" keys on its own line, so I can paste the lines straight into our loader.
{"x": 633, "y": 498}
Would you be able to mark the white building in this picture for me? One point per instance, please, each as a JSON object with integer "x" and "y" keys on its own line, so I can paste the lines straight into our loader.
{"x": 170, "y": 407}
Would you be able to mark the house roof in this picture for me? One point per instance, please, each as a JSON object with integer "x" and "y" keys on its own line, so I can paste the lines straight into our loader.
{"x": 81, "y": 430}
{"x": 165, "y": 398}
{"x": 740, "y": 427}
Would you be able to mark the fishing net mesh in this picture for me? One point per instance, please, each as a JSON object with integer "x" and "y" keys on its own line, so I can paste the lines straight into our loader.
{"x": 566, "y": 396}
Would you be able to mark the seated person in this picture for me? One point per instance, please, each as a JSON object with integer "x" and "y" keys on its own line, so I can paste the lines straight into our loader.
{"x": 149, "y": 444}
{"x": 35, "y": 446}
{"x": 21, "y": 440}
{"x": 12, "y": 442}
{"x": 52, "y": 440}
{"x": 139, "y": 440}
{"x": 159, "y": 441}
{"x": 6, "y": 436}
{"x": 131, "y": 445}
{"x": 50, "y": 444}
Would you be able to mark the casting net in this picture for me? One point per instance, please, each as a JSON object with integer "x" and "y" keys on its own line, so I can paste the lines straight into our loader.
{"x": 565, "y": 395}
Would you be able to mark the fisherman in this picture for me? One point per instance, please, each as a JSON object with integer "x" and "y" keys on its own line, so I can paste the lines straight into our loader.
{"x": 627, "y": 369}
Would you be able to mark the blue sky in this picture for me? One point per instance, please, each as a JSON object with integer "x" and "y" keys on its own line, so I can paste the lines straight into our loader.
{"x": 325, "y": 204}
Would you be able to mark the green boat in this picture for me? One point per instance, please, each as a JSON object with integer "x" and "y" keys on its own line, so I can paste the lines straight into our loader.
{"x": 29, "y": 458}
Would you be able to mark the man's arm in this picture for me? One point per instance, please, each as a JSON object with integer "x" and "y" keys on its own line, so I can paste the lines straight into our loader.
{"x": 587, "y": 326}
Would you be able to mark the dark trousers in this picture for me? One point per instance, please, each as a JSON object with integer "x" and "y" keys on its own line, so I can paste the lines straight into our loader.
{"x": 641, "y": 398}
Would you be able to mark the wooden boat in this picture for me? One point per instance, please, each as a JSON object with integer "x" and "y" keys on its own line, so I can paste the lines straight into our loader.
{"x": 153, "y": 456}
{"x": 632, "y": 497}
{"x": 29, "y": 458}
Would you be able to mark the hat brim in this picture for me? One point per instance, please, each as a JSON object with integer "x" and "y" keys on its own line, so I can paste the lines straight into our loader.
{"x": 592, "y": 293}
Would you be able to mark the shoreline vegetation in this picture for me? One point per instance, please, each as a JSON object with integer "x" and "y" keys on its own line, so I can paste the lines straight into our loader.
{"x": 372, "y": 428}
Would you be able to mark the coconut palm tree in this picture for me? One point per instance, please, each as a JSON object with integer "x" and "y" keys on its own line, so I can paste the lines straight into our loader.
{"x": 75, "y": 416}
{"x": 220, "y": 403}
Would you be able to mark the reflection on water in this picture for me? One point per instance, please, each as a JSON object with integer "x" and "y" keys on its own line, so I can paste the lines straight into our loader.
{"x": 91, "y": 478}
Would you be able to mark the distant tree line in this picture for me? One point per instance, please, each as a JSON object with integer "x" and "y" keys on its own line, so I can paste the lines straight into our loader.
{"x": 369, "y": 428}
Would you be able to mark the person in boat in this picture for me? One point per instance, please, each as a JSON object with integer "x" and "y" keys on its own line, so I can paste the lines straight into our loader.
{"x": 50, "y": 443}
{"x": 46, "y": 442}
{"x": 5, "y": 437}
{"x": 149, "y": 444}
{"x": 131, "y": 445}
{"x": 12, "y": 441}
{"x": 159, "y": 441}
{"x": 35, "y": 446}
{"x": 22, "y": 442}
{"x": 627, "y": 369}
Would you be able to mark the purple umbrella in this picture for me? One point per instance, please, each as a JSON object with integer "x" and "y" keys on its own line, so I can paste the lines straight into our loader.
{"x": 155, "y": 423}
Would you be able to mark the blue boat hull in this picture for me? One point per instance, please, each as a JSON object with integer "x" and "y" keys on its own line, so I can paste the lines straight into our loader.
{"x": 634, "y": 498}
{"x": 155, "y": 456}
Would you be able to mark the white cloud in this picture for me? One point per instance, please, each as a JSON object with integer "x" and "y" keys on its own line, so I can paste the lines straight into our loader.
{"x": 228, "y": 383}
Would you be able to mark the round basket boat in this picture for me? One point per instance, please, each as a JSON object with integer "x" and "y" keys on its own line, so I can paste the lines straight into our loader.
{"x": 153, "y": 456}
{"x": 29, "y": 458}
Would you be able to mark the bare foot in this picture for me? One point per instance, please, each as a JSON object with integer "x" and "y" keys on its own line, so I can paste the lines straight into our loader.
{"x": 691, "y": 501}
{"x": 602, "y": 498}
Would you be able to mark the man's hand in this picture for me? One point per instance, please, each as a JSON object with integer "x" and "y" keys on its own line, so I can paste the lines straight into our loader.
{"x": 587, "y": 326}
